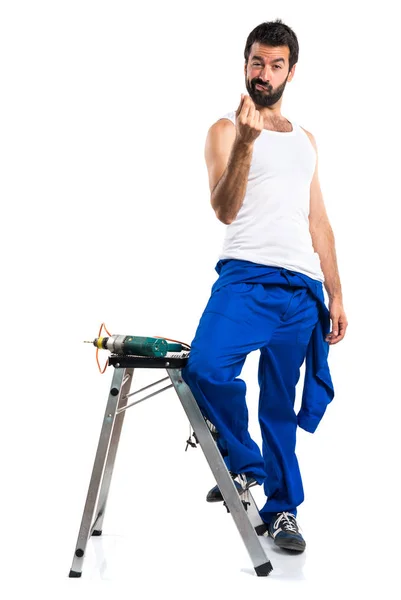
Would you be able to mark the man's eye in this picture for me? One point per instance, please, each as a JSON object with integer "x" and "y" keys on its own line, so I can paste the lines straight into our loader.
{"x": 257, "y": 64}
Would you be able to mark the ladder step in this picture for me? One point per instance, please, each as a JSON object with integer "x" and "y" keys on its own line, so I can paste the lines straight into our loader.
{"x": 147, "y": 362}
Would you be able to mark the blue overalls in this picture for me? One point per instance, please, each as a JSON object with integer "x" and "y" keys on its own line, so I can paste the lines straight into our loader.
{"x": 282, "y": 313}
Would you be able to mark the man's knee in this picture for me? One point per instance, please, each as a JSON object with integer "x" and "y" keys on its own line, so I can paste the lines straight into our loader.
{"x": 203, "y": 367}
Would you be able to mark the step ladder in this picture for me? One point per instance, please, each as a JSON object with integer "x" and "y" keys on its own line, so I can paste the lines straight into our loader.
{"x": 243, "y": 508}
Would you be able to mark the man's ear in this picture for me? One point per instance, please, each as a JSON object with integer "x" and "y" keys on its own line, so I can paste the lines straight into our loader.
{"x": 292, "y": 73}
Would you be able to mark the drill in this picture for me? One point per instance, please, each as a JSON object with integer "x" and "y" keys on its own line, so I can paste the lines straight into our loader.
{"x": 137, "y": 345}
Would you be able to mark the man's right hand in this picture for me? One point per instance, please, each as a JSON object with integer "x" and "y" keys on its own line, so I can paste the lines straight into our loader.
{"x": 249, "y": 121}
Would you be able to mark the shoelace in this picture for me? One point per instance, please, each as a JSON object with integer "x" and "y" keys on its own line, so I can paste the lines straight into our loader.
{"x": 289, "y": 522}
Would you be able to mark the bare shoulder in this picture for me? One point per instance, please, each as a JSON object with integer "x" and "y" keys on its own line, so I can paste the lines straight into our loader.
{"x": 223, "y": 126}
{"x": 221, "y": 135}
{"x": 311, "y": 137}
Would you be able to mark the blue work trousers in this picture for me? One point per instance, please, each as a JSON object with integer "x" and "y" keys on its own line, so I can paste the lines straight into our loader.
{"x": 239, "y": 318}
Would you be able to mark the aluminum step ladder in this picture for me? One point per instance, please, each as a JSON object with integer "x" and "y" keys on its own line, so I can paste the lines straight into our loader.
{"x": 242, "y": 508}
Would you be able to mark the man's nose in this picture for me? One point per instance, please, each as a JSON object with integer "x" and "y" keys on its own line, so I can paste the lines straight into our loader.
{"x": 265, "y": 74}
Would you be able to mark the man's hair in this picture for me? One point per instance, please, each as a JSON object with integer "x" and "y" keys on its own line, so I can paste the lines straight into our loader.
{"x": 274, "y": 33}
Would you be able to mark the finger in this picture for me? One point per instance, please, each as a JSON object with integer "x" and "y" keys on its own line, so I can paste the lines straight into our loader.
{"x": 330, "y": 336}
{"x": 256, "y": 120}
{"x": 339, "y": 329}
{"x": 240, "y": 104}
{"x": 245, "y": 108}
{"x": 251, "y": 113}
{"x": 251, "y": 101}
{"x": 335, "y": 340}
{"x": 341, "y": 334}
{"x": 332, "y": 339}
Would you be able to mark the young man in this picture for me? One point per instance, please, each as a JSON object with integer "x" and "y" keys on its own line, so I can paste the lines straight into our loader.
{"x": 278, "y": 251}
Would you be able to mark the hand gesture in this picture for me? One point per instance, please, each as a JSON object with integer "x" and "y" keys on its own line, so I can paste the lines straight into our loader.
{"x": 249, "y": 121}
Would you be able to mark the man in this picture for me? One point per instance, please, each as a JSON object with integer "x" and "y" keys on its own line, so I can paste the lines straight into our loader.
{"x": 277, "y": 253}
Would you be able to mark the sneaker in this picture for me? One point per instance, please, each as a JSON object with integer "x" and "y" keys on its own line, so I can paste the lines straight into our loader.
{"x": 214, "y": 495}
{"x": 285, "y": 531}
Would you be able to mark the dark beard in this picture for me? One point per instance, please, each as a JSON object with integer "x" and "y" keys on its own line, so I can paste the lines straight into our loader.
{"x": 267, "y": 98}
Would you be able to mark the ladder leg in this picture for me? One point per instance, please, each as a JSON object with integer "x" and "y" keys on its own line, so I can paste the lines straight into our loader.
{"x": 246, "y": 528}
{"x": 103, "y": 465}
{"x": 255, "y": 518}
{"x": 253, "y": 514}
{"x": 111, "y": 457}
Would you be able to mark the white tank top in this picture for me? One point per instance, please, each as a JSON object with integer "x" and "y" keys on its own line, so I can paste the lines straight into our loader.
{"x": 272, "y": 225}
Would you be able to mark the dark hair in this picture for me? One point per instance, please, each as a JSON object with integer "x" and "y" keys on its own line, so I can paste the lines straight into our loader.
{"x": 274, "y": 33}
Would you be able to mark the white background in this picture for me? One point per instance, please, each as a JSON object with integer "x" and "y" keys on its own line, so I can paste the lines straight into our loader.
{"x": 105, "y": 108}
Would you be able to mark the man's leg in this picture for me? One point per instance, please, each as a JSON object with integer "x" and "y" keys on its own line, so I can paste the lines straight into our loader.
{"x": 232, "y": 326}
{"x": 279, "y": 371}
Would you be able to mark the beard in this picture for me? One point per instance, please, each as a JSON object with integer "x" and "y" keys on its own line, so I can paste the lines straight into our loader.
{"x": 264, "y": 98}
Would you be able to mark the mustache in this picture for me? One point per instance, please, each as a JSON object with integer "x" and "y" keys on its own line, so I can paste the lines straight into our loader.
{"x": 258, "y": 82}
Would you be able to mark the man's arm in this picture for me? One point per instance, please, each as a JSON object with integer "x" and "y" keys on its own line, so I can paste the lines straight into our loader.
{"x": 228, "y": 161}
{"x": 228, "y": 155}
{"x": 322, "y": 235}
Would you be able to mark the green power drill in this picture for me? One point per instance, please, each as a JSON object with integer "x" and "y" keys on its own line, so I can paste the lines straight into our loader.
{"x": 137, "y": 345}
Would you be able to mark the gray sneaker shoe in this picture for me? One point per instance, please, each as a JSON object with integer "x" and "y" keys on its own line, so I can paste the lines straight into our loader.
{"x": 284, "y": 529}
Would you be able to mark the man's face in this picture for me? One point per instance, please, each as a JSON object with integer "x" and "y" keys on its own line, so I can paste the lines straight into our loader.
{"x": 267, "y": 66}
